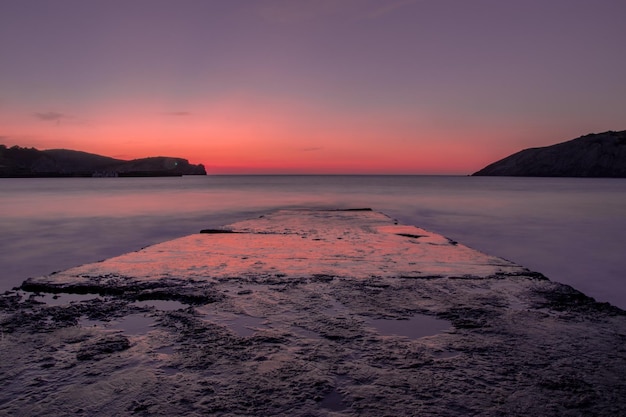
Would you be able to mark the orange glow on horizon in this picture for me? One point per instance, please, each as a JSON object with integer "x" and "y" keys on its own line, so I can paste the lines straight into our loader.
{"x": 244, "y": 135}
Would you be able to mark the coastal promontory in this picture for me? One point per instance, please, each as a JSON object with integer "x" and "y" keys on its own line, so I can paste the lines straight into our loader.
{"x": 30, "y": 162}
{"x": 592, "y": 155}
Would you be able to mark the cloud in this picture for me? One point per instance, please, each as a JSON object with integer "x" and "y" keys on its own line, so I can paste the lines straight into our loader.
{"x": 177, "y": 113}
{"x": 312, "y": 149}
{"x": 50, "y": 116}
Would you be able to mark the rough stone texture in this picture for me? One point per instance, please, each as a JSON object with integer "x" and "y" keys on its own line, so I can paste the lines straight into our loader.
{"x": 102, "y": 346}
{"x": 593, "y": 155}
{"x": 284, "y": 318}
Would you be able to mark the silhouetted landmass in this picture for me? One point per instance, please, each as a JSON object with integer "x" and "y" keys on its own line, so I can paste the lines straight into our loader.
{"x": 593, "y": 155}
{"x": 30, "y": 162}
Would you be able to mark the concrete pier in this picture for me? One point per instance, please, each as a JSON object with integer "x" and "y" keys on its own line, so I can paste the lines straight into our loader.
{"x": 309, "y": 312}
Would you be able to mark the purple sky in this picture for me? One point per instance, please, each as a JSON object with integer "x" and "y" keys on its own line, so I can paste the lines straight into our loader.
{"x": 402, "y": 86}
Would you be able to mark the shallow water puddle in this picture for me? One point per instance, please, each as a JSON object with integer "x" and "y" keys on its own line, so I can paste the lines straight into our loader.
{"x": 133, "y": 324}
{"x": 244, "y": 326}
{"x": 333, "y": 401}
{"x": 165, "y": 350}
{"x": 336, "y": 307}
{"x": 446, "y": 355}
{"x": 168, "y": 370}
{"x": 307, "y": 334}
{"x": 416, "y": 327}
{"x": 163, "y": 305}
{"x": 64, "y": 298}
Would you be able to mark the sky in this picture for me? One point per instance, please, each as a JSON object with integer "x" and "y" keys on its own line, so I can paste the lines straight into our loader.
{"x": 311, "y": 86}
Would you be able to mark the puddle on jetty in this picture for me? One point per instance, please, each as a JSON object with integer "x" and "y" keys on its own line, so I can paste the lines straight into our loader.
{"x": 241, "y": 324}
{"x": 414, "y": 328}
{"x": 162, "y": 305}
{"x": 61, "y": 299}
{"x": 134, "y": 324}
{"x": 307, "y": 334}
{"x": 165, "y": 350}
{"x": 449, "y": 354}
{"x": 333, "y": 401}
{"x": 244, "y": 326}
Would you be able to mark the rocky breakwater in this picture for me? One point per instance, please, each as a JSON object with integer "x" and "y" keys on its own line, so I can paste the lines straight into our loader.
{"x": 307, "y": 312}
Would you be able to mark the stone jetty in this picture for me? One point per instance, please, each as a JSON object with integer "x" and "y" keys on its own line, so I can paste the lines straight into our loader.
{"x": 309, "y": 313}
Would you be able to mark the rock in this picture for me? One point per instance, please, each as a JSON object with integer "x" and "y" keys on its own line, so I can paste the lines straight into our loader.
{"x": 31, "y": 162}
{"x": 103, "y": 346}
{"x": 593, "y": 155}
{"x": 287, "y": 319}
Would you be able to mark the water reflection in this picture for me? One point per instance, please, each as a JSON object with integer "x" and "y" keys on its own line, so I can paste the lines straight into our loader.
{"x": 64, "y": 298}
{"x": 133, "y": 325}
{"x": 333, "y": 401}
{"x": 162, "y": 305}
{"x": 415, "y": 327}
{"x": 244, "y": 326}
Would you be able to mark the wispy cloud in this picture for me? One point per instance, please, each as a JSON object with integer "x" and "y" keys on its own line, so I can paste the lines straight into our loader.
{"x": 312, "y": 149}
{"x": 57, "y": 117}
{"x": 177, "y": 113}
{"x": 50, "y": 116}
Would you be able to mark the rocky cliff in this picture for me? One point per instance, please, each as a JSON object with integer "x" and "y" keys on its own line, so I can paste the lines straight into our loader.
{"x": 30, "y": 162}
{"x": 593, "y": 155}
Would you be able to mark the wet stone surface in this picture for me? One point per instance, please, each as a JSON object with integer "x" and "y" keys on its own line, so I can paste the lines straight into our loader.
{"x": 309, "y": 313}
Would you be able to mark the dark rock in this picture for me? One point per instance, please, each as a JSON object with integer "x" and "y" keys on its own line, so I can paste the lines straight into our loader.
{"x": 593, "y": 155}
{"x": 217, "y": 231}
{"x": 515, "y": 343}
{"x": 565, "y": 298}
{"x": 129, "y": 289}
{"x": 103, "y": 346}
{"x": 412, "y": 236}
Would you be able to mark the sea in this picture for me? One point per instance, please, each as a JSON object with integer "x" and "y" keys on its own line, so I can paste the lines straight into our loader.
{"x": 573, "y": 230}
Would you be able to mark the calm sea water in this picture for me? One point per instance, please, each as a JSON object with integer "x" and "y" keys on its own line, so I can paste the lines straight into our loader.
{"x": 572, "y": 230}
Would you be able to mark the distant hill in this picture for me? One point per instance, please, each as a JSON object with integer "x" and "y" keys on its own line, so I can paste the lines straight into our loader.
{"x": 593, "y": 155}
{"x": 30, "y": 162}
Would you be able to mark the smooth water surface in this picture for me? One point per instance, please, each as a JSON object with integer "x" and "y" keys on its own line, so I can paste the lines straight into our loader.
{"x": 571, "y": 229}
